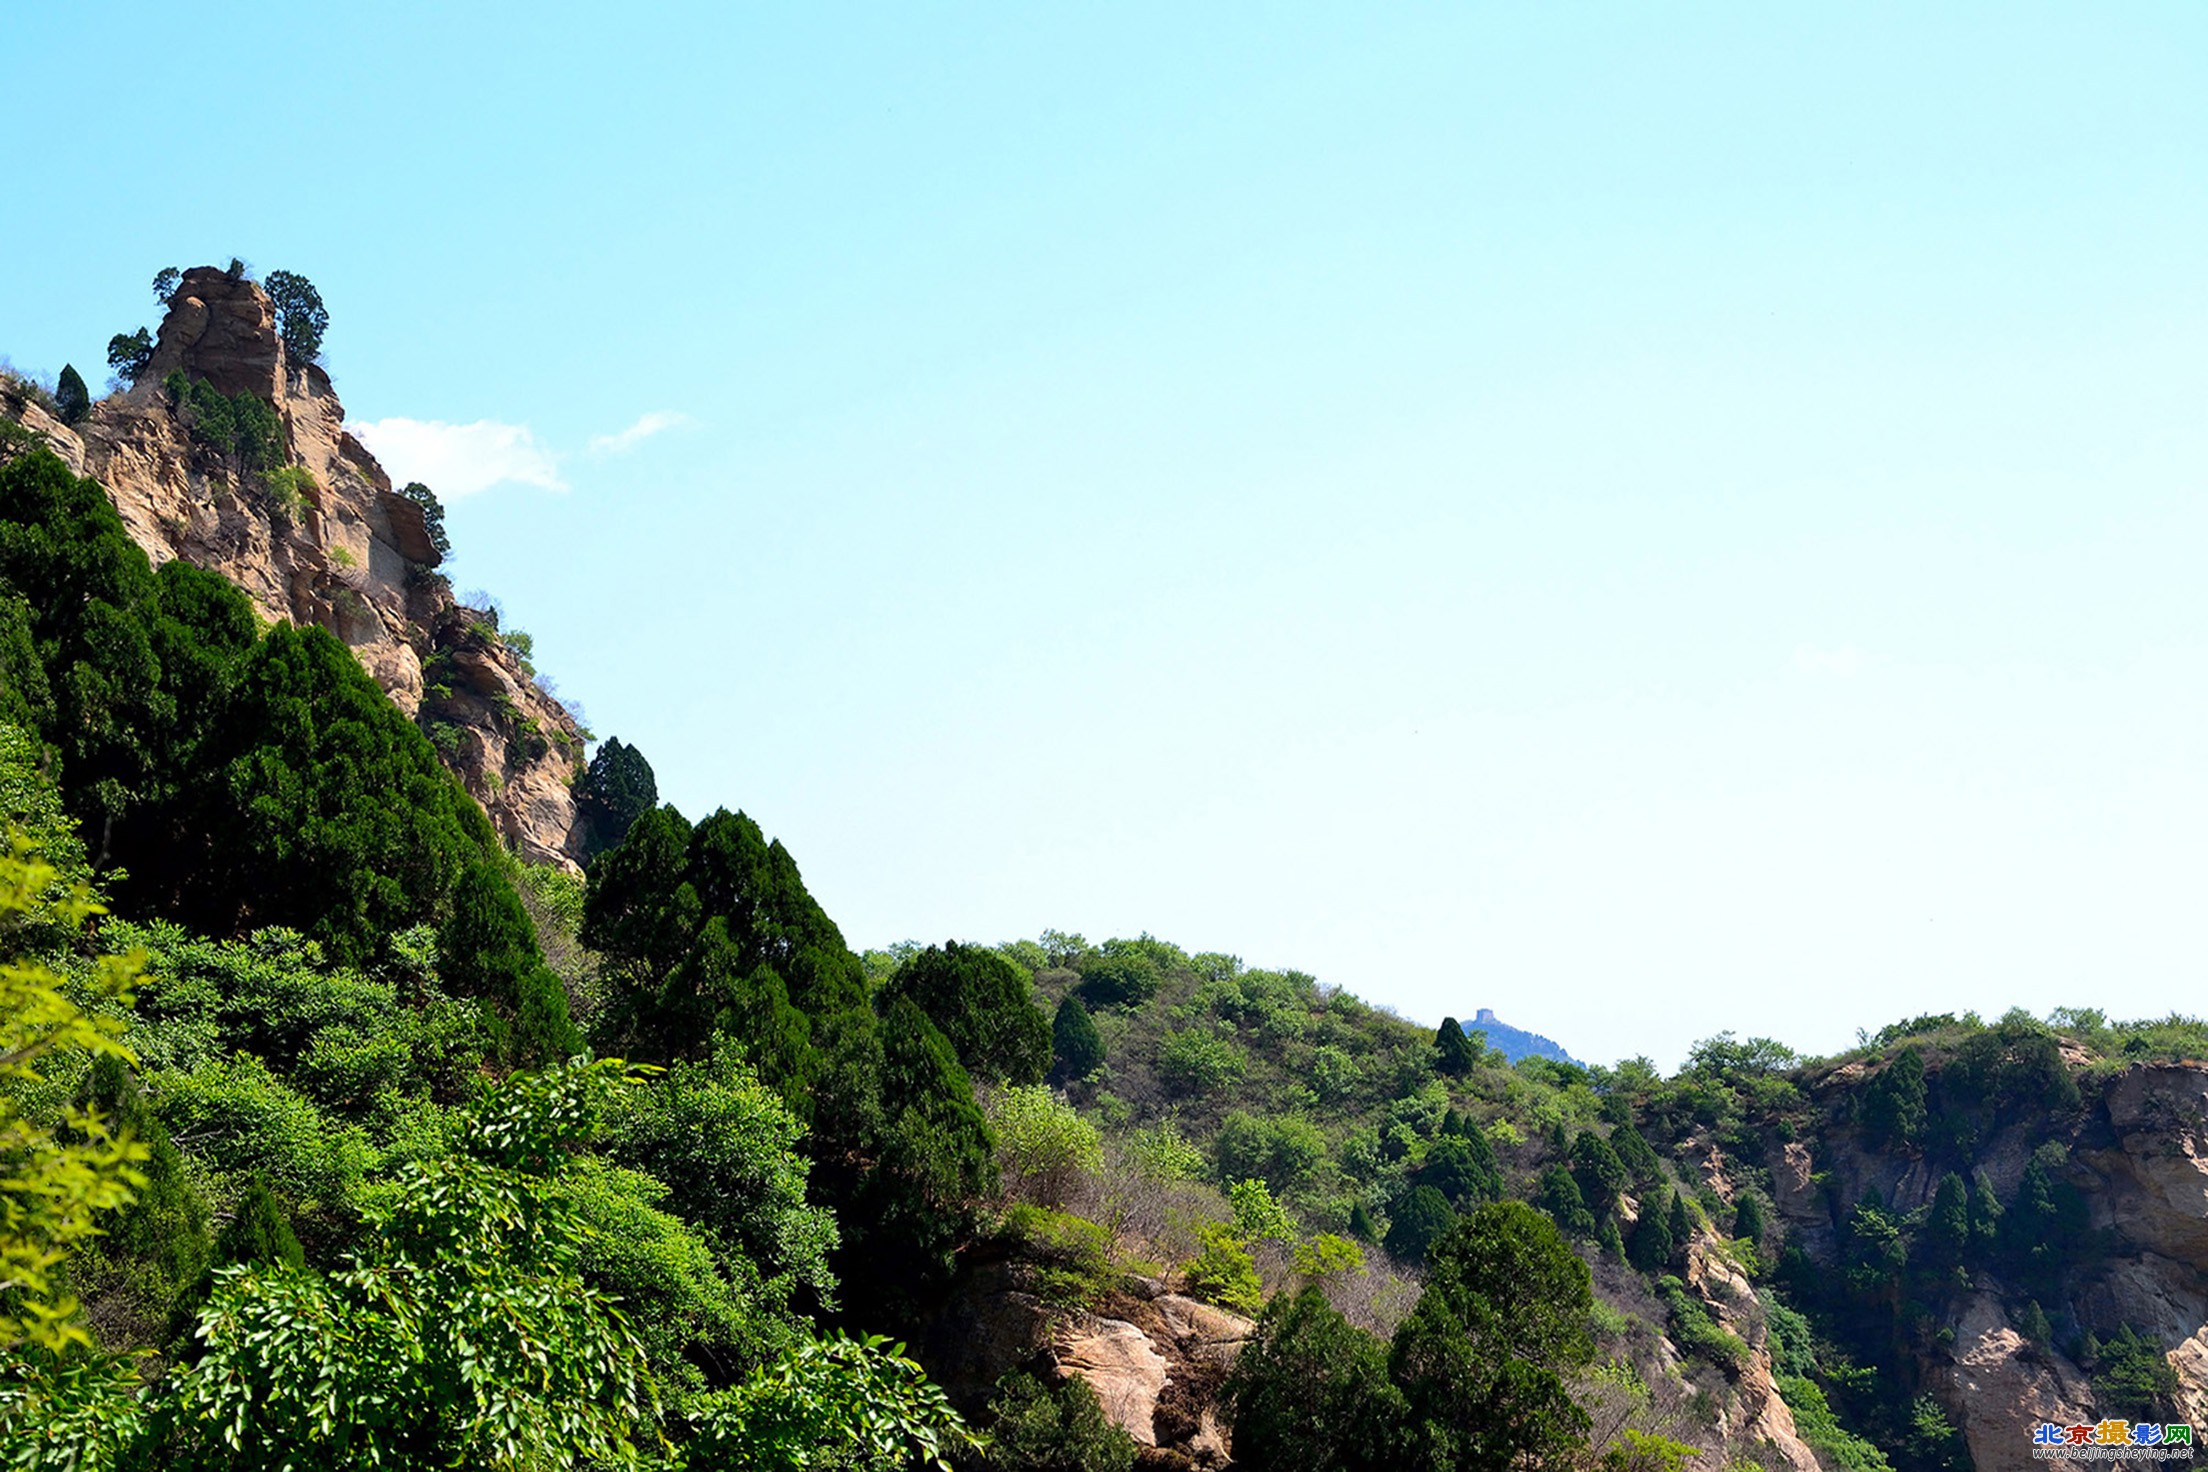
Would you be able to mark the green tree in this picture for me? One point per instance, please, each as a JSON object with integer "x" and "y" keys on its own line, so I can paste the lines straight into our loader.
{"x": 1077, "y": 1049}
{"x": 1454, "y": 1053}
{"x": 463, "y": 1337}
{"x": 1748, "y": 1218}
{"x": 1462, "y": 1167}
{"x": 1893, "y": 1101}
{"x": 1610, "y": 1240}
{"x": 301, "y": 319}
{"x": 2134, "y": 1378}
{"x": 1037, "y": 1429}
{"x": 165, "y": 283}
{"x": 1119, "y": 979}
{"x": 983, "y": 1004}
{"x": 1680, "y": 1220}
{"x": 1633, "y": 1149}
{"x": 614, "y": 791}
{"x": 1946, "y": 1230}
{"x": 1421, "y": 1220}
{"x": 1310, "y": 1392}
{"x": 1561, "y": 1199}
{"x": 433, "y": 522}
{"x": 128, "y": 353}
{"x": 72, "y": 400}
{"x": 58, "y": 1183}
{"x": 156, "y": 1248}
{"x": 854, "y": 1404}
{"x": 1600, "y": 1174}
{"x": 1487, "y": 1358}
{"x": 1652, "y": 1243}
{"x": 1985, "y": 1214}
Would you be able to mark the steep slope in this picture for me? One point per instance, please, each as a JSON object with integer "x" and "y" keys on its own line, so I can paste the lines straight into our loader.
{"x": 336, "y": 547}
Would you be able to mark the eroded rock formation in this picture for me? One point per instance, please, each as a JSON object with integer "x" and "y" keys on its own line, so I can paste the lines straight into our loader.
{"x": 342, "y": 550}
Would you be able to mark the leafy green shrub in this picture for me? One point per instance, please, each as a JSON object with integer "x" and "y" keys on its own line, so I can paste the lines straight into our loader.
{"x": 1197, "y": 1061}
{"x": 1836, "y": 1446}
{"x": 1037, "y": 1429}
{"x": 838, "y": 1402}
{"x": 1222, "y": 1271}
{"x": 1121, "y": 978}
{"x": 243, "y": 1121}
{"x": 1073, "y": 1256}
{"x": 1694, "y": 1331}
{"x": 290, "y": 488}
{"x": 1043, "y": 1147}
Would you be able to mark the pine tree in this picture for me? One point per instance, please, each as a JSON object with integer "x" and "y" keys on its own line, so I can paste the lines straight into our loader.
{"x": 1077, "y": 1049}
{"x": 1947, "y": 1227}
{"x": 71, "y": 398}
{"x": 1453, "y": 1051}
{"x": 1985, "y": 1215}
{"x": 1680, "y": 1221}
{"x": 1610, "y": 1240}
{"x": 1652, "y": 1241}
{"x": 1361, "y": 1225}
{"x": 1748, "y": 1222}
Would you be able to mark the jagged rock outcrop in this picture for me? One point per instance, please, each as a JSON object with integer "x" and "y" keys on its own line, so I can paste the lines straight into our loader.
{"x": 348, "y": 554}
{"x": 1755, "y": 1418}
{"x": 1156, "y": 1360}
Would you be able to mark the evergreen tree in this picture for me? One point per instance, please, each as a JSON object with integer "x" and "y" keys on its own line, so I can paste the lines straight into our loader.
{"x": 301, "y": 319}
{"x": 72, "y": 400}
{"x": 1652, "y": 1243}
{"x": 1361, "y": 1225}
{"x": 1610, "y": 1240}
{"x": 1561, "y": 1199}
{"x": 1077, "y": 1049}
{"x": 1679, "y": 1220}
{"x": 614, "y": 791}
{"x": 1499, "y": 1335}
{"x": 433, "y": 522}
{"x": 1454, "y": 1053}
{"x": 1893, "y": 1101}
{"x": 1748, "y": 1222}
{"x": 160, "y": 1238}
{"x": 1985, "y": 1215}
{"x": 1462, "y": 1168}
{"x": 1310, "y": 1392}
{"x": 1599, "y": 1172}
{"x": 983, "y": 1004}
{"x": 1638, "y": 1157}
{"x": 1419, "y": 1222}
{"x": 1946, "y": 1231}
{"x": 2032, "y": 1324}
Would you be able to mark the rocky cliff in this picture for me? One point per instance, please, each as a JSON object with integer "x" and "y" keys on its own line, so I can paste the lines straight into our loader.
{"x": 337, "y": 547}
{"x": 2135, "y": 1152}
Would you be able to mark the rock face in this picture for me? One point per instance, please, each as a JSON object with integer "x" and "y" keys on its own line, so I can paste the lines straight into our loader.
{"x": 348, "y": 554}
{"x": 1156, "y": 1360}
{"x": 2139, "y": 1155}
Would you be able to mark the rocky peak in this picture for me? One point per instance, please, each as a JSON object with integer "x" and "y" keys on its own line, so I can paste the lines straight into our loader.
{"x": 341, "y": 550}
{"x": 221, "y": 328}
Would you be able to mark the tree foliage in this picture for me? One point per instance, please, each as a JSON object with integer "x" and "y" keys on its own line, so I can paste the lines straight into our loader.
{"x": 301, "y": 319}
{"x": 72, "y": 400}
{"x": 614, "y": 791}
{"x": 1486, "y": 1359}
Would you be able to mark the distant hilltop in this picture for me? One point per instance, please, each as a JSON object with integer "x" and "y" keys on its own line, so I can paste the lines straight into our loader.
{"x": 1515, "y": 1043}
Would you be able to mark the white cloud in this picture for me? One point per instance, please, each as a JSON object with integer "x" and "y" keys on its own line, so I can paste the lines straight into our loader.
{"x": 647, "y": 425}
{"x": 1842, "y": 663}
{"x": 460, "y": 459}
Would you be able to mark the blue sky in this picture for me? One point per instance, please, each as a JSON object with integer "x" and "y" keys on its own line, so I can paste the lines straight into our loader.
{"x": 1652, "y": 519}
